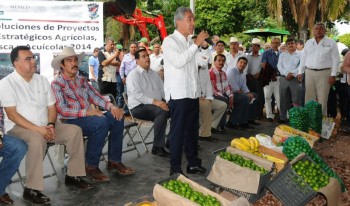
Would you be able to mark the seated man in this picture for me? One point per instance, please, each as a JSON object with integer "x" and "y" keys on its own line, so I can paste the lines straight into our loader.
{"x": 12, "y": 151}
{"x": 74, "y": 96}
{"x": 244, "y": 100}
{"x": 30, "y": 106}
{"x": 145, "y": 99}
{"x": 210, "y": 110}
{"x": 221, "y": 88}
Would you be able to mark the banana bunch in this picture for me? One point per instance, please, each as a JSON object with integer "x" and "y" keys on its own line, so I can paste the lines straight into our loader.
{"x": 286, "y": 128}
{"x": 249, "y": 145}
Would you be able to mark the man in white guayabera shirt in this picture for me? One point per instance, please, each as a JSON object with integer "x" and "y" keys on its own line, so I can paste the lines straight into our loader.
{"x": 181, "y": 87}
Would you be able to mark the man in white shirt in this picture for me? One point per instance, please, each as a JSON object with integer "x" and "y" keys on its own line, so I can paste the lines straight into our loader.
{"x": 219, "y": 49}
{"x": 289, "y": 86}
{"x": 156, "y": 57}
{"x": 253, "y": 82}
{"x": 31, "y": 116}
{"x": 181, "y": 87}
{"x": 145, "y": 99}
{"x": 320, "y": 61}
{"x": 233, "y": 55}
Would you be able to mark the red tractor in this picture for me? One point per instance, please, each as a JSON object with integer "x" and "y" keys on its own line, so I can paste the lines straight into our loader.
{"x": 125, "y": 11}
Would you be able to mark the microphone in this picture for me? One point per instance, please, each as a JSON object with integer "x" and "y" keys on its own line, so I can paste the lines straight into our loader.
{"x": 209, "y": 41}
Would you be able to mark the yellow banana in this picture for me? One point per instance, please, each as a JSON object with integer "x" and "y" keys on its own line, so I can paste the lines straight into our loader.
{"x": 235, "y": 140}
{"x": 245, "y": 141}
{"x": 252, "y": 144}
{"x": 256, "y": 141}
{"x": 241, "y": 146}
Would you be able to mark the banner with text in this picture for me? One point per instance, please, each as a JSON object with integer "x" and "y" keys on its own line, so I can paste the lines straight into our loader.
{"x": 48, "y": 26}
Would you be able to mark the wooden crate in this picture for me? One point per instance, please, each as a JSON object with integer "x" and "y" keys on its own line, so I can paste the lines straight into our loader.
{"x": 271, "y": 152}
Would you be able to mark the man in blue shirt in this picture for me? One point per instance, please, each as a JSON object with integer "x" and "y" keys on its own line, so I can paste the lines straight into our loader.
{"x": 244, "y": 100}
{"x": 93, "y": 68}
{"x": 290, "y": 87}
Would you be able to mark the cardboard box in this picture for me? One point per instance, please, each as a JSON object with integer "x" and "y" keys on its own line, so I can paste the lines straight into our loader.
{"x": 165, "y": 197}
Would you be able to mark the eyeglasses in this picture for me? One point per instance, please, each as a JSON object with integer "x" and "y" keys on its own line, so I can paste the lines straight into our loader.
{"x": 28, "y": 59}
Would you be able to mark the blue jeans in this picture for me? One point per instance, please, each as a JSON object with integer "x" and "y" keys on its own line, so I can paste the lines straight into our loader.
{"x": 12, "y": 154}
{"x": 96, "y": 129}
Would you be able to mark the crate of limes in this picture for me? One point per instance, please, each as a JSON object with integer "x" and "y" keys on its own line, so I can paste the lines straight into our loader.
{"x": 179, "y": 190}
{"x": 299, "y": 181}
{"x": 247, "y": 162}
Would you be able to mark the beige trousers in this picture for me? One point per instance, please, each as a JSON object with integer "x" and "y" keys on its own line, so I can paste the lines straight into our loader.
{"x": 219, "y": 108}
{"x": 205, "y": 116}
{"x": 67, "y": 134}
{"x": 210, "y": 114}
{"x": 317, "y": 87}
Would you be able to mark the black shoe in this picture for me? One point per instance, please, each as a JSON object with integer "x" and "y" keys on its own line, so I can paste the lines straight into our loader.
{"x": 216, "y": 131}
{"x": 196, "y": 170}
{"x": 269, "y": 119}
{"x": 230, "y": 125}
{"x": 35, "y": 196}
{"x": 172, "y": 172}
{"x": 281, "y": 121}
{"x": 209, "y": 139}
{"x": 253, "y": 122}
{"x": 78, "y": 182}
{"x": 160, "y": 151}
{"x": 222, "y": 129}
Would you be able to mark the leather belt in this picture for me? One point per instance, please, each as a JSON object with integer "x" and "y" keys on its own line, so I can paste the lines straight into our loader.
{"x": 317, "y": 69}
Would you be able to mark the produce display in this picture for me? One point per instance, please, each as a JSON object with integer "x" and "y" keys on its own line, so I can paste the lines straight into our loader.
{"x": 252, "y": 145}
{"x": 314, "y": 110}
{"x": 241, "y": 161}
{"x": 311, "y": 173}
{"x": 184, "y": 189}
{"x": 293, "y": 146}
{"x": 299, "y": 118}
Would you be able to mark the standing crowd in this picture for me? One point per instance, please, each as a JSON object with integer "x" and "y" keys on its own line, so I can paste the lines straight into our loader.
{"x": 201, "y": 88}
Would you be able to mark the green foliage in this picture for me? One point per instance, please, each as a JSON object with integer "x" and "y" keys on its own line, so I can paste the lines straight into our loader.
{"x": 345, "y": 39}
{"x": 231, "y": 16}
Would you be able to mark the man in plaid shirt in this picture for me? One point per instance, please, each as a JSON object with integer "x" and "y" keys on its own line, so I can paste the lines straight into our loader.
{"x": 74, "y": 96}
{"x": 12, "y": 151}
